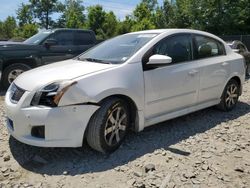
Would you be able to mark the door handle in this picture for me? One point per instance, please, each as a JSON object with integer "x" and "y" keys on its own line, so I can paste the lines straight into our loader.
{"x": 193, "y": 72}
{"x": 224, "y": 64}
{"x": 70, "y": 50}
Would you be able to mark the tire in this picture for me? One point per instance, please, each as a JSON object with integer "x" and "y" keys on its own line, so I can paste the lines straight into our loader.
{"x": 105, "y": 132}
{"x": 11, "y": 72}
{"x": 230, "y": 96}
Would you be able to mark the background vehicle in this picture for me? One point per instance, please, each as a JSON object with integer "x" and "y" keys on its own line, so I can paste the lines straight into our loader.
{"x": 242, "y": 49}
{"x": 41, "y": 49}
{"x": 129, "y": 82}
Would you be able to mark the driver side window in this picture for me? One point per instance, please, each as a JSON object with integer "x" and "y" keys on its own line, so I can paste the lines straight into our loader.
{"x": 62, "y": 38}
{"x": 178, "y": 47}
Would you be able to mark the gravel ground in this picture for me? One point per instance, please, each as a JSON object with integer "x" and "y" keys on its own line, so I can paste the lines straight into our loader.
{"x": 208, "y": 148}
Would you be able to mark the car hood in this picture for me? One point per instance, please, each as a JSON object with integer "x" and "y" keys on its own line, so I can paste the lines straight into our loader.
{"x": 6, "y": 46}
{"x": 65, "y": 70}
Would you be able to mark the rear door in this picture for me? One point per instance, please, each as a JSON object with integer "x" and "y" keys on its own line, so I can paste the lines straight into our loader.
{"x": 213, "y": 66}
{"x": 62, "y": 50}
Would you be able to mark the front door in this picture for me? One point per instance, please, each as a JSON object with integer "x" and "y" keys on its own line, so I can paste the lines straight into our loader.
{"x": 174, "y": 86}
{"x": 62, "y": 50}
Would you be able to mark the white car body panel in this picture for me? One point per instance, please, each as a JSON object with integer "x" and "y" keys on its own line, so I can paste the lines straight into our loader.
{"x": 159, "y": 94}
{"x": 174, "y": 91}
{"x": 64, "y": 70}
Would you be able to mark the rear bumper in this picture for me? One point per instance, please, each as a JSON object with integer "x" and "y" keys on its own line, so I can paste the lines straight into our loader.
{"x": 63, "y": 126}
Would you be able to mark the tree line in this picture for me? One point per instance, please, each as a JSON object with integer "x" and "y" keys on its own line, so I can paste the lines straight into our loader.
{"x": 216, "y": 16}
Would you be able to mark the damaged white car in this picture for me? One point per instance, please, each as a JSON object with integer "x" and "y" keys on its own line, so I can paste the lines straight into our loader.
{"x": 129, "y": 82}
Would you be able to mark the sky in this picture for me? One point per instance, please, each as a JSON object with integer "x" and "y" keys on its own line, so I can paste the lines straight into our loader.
{"x": 120, "y": 7}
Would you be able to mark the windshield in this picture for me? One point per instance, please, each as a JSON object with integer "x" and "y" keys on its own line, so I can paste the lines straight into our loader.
{"x": 36, "y": 39}
{"x": 118, "y": 49}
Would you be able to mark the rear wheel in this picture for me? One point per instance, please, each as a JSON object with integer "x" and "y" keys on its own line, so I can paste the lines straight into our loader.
{"x": 12, "y": 72}
{"x": 108, "y": 126}
{"x": 230, "y": 96}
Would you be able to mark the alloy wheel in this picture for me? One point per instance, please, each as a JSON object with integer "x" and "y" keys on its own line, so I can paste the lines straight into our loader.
{"x": 116, "y": 125}
{"x": 231, "y": 95}
{"x": 14, "y": 74}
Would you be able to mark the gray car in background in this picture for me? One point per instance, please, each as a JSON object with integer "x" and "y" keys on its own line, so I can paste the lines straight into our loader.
{"x": 241, "y": 48}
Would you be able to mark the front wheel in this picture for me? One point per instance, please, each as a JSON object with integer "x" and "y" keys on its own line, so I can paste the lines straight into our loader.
{"x": 230, "y": 96}
{"x": 12, "y": 72}
{"x": 108, "y": 126}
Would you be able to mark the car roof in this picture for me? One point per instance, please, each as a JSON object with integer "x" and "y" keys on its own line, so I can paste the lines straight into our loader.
{"x": 65, "y": 29}
{"x": 159, "y": 31}
{"x": 173, "y": 31}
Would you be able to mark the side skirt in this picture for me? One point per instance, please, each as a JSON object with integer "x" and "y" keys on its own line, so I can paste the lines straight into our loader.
{"x": 171, "y": 115}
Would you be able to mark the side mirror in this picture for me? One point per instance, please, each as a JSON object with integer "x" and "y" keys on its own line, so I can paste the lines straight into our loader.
{"x": 159, "y": 60}
{"x": 50, "y": 42}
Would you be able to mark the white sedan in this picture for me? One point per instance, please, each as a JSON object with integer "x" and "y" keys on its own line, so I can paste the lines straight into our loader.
{"x": 129, "y": 82}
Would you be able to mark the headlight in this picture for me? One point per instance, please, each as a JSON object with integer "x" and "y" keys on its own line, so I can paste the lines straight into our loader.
{"x": 51, "y": 94}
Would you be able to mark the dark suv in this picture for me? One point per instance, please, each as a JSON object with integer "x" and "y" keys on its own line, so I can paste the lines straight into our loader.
{"x": 41, "y": 49}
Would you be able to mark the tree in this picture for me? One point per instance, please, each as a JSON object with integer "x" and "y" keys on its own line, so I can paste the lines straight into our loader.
{"x": 26, "y": 31}
{"x": 143, "y": 15}
{"x": 110, "y": 25}
{"x": 1, "y": 31}
{"x": 215, "y": 16}
{"x": 73, "y": 15}
{"x": 151, "y": 4}
{"x": 125, "y": 26}
{"x": 24, "y": 14}
{"x": 8, "y": 27}
{"x": 96, "y": 18}
{"x": 43, "y": 9}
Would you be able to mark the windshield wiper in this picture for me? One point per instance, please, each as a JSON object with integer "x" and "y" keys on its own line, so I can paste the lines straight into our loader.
{"x": 93, "y": 60}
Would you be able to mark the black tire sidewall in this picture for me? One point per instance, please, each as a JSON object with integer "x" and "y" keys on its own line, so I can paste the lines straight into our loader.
{"x": 112, "y": 106}
{"x": 10, "y": 68}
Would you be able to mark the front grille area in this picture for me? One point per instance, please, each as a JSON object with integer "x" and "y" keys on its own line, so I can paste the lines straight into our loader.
{"x": 38, "y": 131}
{"x": 16, "y": 93}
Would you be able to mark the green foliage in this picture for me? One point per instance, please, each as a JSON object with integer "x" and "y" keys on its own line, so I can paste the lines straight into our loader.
{"x": 1, "y": 31}
{"x": 43, "y": 9}
{"x": 125, "y": 26}
{"x": 143, "y": 15}
{"x": 73, "y": 16}
{"x": 96, "y": 19}
{"x": 24, "y": 15}
{"x": 26, "y": 31}
{"x": 215, "y": 16}
{"x": 109, "y": 27}
{"x": 7, "y": 28}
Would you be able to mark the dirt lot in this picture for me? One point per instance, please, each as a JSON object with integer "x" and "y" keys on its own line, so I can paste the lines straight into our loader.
{"x": 208, "y": 148}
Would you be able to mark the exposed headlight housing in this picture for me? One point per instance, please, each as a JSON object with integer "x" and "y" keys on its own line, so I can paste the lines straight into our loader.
{"x": 51, "y": 94}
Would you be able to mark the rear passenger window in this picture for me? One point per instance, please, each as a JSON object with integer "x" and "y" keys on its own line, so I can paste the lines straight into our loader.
{"x": 207, "y": 47}
{"x": 83, "y": 38}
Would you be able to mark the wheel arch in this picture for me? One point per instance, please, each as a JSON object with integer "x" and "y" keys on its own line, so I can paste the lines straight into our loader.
{"x": 238, "y": 80}
{"x": 29, "y": 62}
